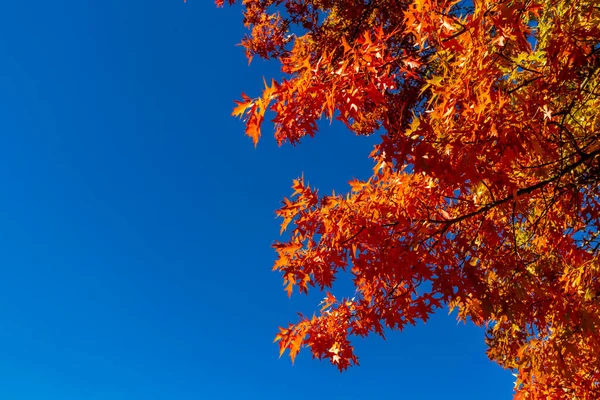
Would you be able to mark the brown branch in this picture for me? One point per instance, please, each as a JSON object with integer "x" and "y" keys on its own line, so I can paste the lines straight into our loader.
{"x": 457, "y": 34}
{"x": 362, "y": 228}
{"x": 527, "y": 82}
{"x": 521, "y": 192}
{"x": 518, "y": 65}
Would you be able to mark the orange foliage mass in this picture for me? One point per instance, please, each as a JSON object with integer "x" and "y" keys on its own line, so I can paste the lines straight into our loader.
{"x": 486, "y": 180}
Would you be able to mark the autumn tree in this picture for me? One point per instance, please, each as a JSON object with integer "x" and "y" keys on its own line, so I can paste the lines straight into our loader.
{"x": 484, "y": 197}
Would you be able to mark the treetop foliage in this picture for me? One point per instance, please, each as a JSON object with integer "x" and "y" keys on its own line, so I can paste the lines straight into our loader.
{"x": 486, "y": 179}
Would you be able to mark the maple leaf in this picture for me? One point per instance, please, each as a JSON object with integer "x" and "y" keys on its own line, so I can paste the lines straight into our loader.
{"x": 242, "y": 106}
{"x": 547, "y": 113}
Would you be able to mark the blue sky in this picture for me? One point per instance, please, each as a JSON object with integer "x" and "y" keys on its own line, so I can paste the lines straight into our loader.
{"x": 137, "y": 219}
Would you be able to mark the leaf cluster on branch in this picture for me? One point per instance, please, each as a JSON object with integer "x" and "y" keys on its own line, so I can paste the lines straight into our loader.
{"x": 486, "y": 179}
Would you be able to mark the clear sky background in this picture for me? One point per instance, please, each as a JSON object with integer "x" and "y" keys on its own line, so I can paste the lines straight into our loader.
{"x": 136, "y": 221}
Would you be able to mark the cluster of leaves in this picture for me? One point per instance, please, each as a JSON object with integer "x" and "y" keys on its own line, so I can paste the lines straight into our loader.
{"x": 486, "y": 180}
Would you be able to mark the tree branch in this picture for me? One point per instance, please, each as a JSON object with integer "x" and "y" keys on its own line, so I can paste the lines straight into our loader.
{"x": 520, "y": 192}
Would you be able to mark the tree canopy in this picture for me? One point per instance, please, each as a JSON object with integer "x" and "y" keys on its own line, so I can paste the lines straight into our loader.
{"x": 484, "y": 197}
